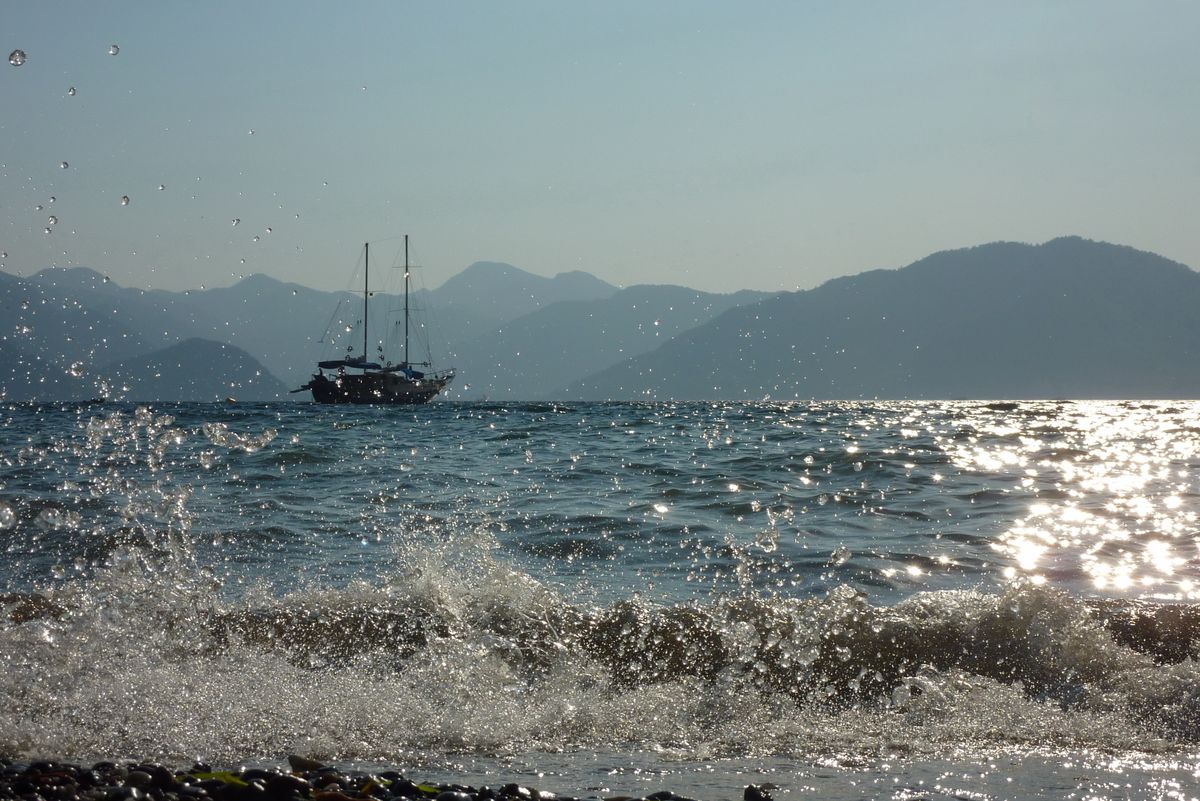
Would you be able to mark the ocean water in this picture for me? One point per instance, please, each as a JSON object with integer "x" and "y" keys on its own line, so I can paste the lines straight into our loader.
{"x": 835, "y": 600}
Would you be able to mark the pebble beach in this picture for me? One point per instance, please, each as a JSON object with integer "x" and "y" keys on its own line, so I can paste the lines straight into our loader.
{"x": 306, "y": 779}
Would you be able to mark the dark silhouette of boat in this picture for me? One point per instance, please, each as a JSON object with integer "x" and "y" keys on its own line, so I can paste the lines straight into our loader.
{"x": 354, "y": 379}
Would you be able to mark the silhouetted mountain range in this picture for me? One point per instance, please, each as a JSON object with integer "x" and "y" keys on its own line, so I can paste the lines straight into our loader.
{"x": 533, "y": 356}
{"x": 511, "y": 292}
{"x": 1069, "y": 318}
{"x": 195, "y": 369}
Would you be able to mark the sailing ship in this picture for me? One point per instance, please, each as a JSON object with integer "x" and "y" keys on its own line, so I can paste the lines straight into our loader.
{"x": 354, "y": 379}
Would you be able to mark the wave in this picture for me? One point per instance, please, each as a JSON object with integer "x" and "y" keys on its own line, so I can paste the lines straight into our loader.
{"x": 362, "y": 610}
{"x": 488, "y": 659}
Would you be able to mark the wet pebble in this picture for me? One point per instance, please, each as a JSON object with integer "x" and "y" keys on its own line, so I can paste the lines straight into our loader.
{"x": 137, "y": 778}
{"x": 755, "y": 793}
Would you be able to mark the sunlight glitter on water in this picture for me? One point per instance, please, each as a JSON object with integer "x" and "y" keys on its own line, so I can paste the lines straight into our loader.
{"x": 1110, "y": 509}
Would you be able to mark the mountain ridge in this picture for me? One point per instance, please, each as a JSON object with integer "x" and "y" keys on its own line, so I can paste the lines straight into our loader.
{"x": 517, "y": 291}
{"x": 194, "y": 370}
{"x": 995, "y": 320}
{"x": 1069, "y": 317}
{"x": 560, "y": 339}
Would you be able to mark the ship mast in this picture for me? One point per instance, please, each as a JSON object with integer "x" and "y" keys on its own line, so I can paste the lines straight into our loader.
{"x": 366, "y": 278}
{"x": 406, "y": 300}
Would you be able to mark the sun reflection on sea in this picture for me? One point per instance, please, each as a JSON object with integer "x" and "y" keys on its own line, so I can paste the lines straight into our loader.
{"x": 1116, "y": 493}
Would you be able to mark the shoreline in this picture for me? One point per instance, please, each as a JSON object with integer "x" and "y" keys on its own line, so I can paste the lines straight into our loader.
{"x": 307, "y": 780}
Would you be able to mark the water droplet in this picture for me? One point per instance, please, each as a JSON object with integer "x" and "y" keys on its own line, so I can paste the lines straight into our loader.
{"x": 113, "y": 50}
{"x": 124, "y": 200}
{"x": 53, "y": 198}
{"x": 268, "y": 229}
{"x": 767, "y": 540}
{"x": 16, "y": 58}
{"x": 256, "y": 237}
{"x": 106, "y": 279}
{"x": 236, "y": 220}
{"x": 25, "y": 303}
{"x": 45, "y": 230}
{"x": 71, "y": 92}
{"x": 52, "y": 220}
{"x": 4, "y": 254}
{"x": 64, "y": 165}
{"x": 52, "y": 519}
{"x": 840, "y": 556}
{"x": 76, "y": 370}
{"x": 8, "y": 518}
{"x": 161, "y": 187}
{"x": 250, "y": 132}
{"x": 293, "y": 292}
{"x": 39, "y": 207}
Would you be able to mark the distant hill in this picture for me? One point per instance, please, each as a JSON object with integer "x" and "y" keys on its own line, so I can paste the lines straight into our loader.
{"x": 279, "y": 324}
{"x": 196, "y": 369}
{"x": 28, "y": 376}
{"x": 1070, "y": 318}
{"x": 531, "y": 357}
{"x": 52, "y": 341}
{"x": 80, "y": 279}
{"x": 284, "y": 325}
{"x": 70, "y": 324}
{"x": 509, "y": 292}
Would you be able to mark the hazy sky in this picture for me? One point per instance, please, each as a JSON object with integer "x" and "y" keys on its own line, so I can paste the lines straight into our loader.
{"x": 718, "y": 145}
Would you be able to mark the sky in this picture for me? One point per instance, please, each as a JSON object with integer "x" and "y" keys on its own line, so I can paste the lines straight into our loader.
{"x": 716, "y": 145}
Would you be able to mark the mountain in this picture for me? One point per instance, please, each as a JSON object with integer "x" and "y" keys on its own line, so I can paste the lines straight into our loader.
{"x": 531, "y": 357}
{"x": 195, "y": 369}
{"x": 283, "y": 325}
{"x": 78, "y": 336}
{"x": 277, "y": 323}
{"x": 64, "y": 326}
{"x": 51, "y": 341}
{"x": 277, "y": 320}
{"x": 509, "y": 292}
{"x": 1068, "y": 318}
{"x": 27, "y": 376}
{"x": 78, "y": 279}
{"x": 69, "y": 324}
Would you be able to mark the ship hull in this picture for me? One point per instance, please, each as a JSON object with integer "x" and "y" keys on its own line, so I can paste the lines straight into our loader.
{"x": 375, "y": 388}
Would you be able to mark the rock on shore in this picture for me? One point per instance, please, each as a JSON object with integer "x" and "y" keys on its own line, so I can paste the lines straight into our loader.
{"x": 307, "y": 780}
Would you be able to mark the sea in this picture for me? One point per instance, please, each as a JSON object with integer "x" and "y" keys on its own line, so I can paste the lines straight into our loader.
{"x": 828, "y": 600}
